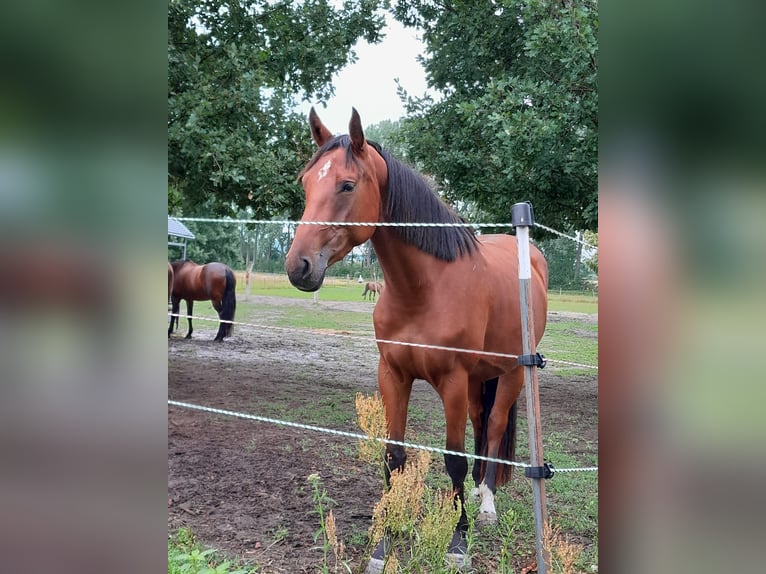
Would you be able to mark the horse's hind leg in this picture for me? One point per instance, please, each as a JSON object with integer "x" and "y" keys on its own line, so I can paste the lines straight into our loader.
{"x": 499, "y": 431}
{"x": 174, "y": 312}
{"x": 218, "y": 306}
{"x": 189, "y": 307}
{"x": 478, "y": 413}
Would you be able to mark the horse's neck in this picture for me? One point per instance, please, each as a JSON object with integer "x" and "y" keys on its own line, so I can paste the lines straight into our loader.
{"x": 406, "y": 269}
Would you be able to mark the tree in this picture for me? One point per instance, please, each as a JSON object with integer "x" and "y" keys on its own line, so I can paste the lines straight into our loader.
{"x": 235, "y": 70}
{"x": 389, "y": 135}
{"x": 561, "y": 255}
{"x": 591, "y": 262}
{"x": 518, "y": 115}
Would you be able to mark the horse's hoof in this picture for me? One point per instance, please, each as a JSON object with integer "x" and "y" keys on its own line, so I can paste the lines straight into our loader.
{"x": 460, "y": 561}
{"x": 378, "y": 559}
{"x": 486, "y": 519}
{"x": 187, "y": 337}
{"x": 375, "y": 566}
{"x": 457, "y": 555}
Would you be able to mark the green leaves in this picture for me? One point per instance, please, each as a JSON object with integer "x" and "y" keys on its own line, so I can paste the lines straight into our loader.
{"x": 235, "y": 72}
{"x": 518, "y": 116}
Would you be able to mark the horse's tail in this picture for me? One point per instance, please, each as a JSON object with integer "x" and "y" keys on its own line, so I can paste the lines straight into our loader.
{"x": 228, "y": 303}
{"x": 507, "y": 448}
{"x": 366, "y": 288}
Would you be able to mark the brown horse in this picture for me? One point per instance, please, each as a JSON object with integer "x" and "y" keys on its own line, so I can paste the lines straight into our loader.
{"x": 371, "y": 290}
{"x": 214, "y": 282}
{"x": 352, "y": 180}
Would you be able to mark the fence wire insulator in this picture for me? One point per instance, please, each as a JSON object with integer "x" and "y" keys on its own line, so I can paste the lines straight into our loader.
{"x": 536, "y": 360}
{"x": 545, "y": 471}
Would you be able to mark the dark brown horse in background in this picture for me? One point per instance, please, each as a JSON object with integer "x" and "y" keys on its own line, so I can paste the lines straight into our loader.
{"x": 371, "y": 290}
{"x": 352, "y": 180}
{"x": 214, "y": 282}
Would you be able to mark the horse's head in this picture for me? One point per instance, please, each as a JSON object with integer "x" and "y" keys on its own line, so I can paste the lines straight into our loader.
{"x": 342, "y": 182}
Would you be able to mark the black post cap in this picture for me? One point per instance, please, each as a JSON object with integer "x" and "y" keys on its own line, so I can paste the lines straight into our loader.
{"x": 522, "y": 214}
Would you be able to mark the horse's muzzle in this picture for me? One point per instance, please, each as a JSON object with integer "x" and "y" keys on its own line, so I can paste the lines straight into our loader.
{"x": 306, "y": 273}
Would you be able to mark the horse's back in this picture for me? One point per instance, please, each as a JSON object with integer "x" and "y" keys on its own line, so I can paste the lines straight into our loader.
{"x": 200, "y": 282}
{"x": 213, "y": 278}
{"x": 500, "y": 253}
{"x": 503, "y": 250}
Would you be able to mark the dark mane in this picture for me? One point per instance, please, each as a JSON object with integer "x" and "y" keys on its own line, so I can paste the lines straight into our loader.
{"x": 410, "y": 198}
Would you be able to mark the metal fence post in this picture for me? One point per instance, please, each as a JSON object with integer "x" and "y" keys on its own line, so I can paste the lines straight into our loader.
{"x": 522, "y": 219}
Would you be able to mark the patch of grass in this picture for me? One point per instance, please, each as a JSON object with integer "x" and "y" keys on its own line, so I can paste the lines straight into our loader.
{"x": 279, "y": 534}
{"x": 341, "y": 289}
{"x": 278, "y": 285}
{"x": 570, "y": 341}
{"x": 314, "y": 317}
{"x": 327, "y": 410}
{"x": 187, "y": 556}
{"x": 572, "y": 302}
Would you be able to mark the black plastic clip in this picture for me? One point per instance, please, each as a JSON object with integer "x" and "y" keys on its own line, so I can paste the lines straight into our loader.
{"x": 536, "y": 360}
{"x": 545, "y": 471}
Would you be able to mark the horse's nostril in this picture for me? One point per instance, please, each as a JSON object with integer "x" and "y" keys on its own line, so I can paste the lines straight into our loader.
{"x": 306, "y": 271}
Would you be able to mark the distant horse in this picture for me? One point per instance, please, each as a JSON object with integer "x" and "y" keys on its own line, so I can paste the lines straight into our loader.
{"x": 444, "y": 287}
{"x": 214, "y": 282}
{"x": 371, "y": 290}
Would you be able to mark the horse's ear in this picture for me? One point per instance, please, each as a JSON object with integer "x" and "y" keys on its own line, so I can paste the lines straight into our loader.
{"x": 355, "y": 131}
{"x": 319, "y": 132}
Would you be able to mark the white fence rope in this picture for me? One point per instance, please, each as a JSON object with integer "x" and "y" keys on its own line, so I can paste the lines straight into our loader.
{"x": 367, "y": 339}
{"x": 360, "y": 436}
{"x": 339, "y": 223}
{"x": 560, "y": 234}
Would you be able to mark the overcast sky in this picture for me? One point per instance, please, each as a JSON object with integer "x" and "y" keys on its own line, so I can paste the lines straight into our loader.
{"x": 369, "y": 86}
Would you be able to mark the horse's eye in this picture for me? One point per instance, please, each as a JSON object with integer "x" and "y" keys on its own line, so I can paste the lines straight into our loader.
{"x": 347, "y": 186}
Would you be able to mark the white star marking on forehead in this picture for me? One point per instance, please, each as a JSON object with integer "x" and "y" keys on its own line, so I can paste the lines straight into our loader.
{"x": 324, "y": 170}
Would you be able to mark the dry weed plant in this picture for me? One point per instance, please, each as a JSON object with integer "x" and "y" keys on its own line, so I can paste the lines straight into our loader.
{"x": 438, "y": 525}
{"x": 392, "y": 564}
{"x": 419, "y": 522}
{"x": 327, "y": 528}
{"x": 371, "y": 418}
{"x": 338, "y": 548}
{"x": 564, "y": 553}
{"x": 399, "y": 507}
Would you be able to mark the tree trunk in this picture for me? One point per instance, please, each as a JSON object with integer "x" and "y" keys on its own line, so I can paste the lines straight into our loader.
{"x": 248, "y": 273}
{"x": 578, "y": 260}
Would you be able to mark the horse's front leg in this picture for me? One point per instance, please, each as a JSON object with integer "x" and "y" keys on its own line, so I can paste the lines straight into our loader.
{"x": 454, "y": 394}
{"x": 189, "y": 307}
{"x": 395, "y": 391}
